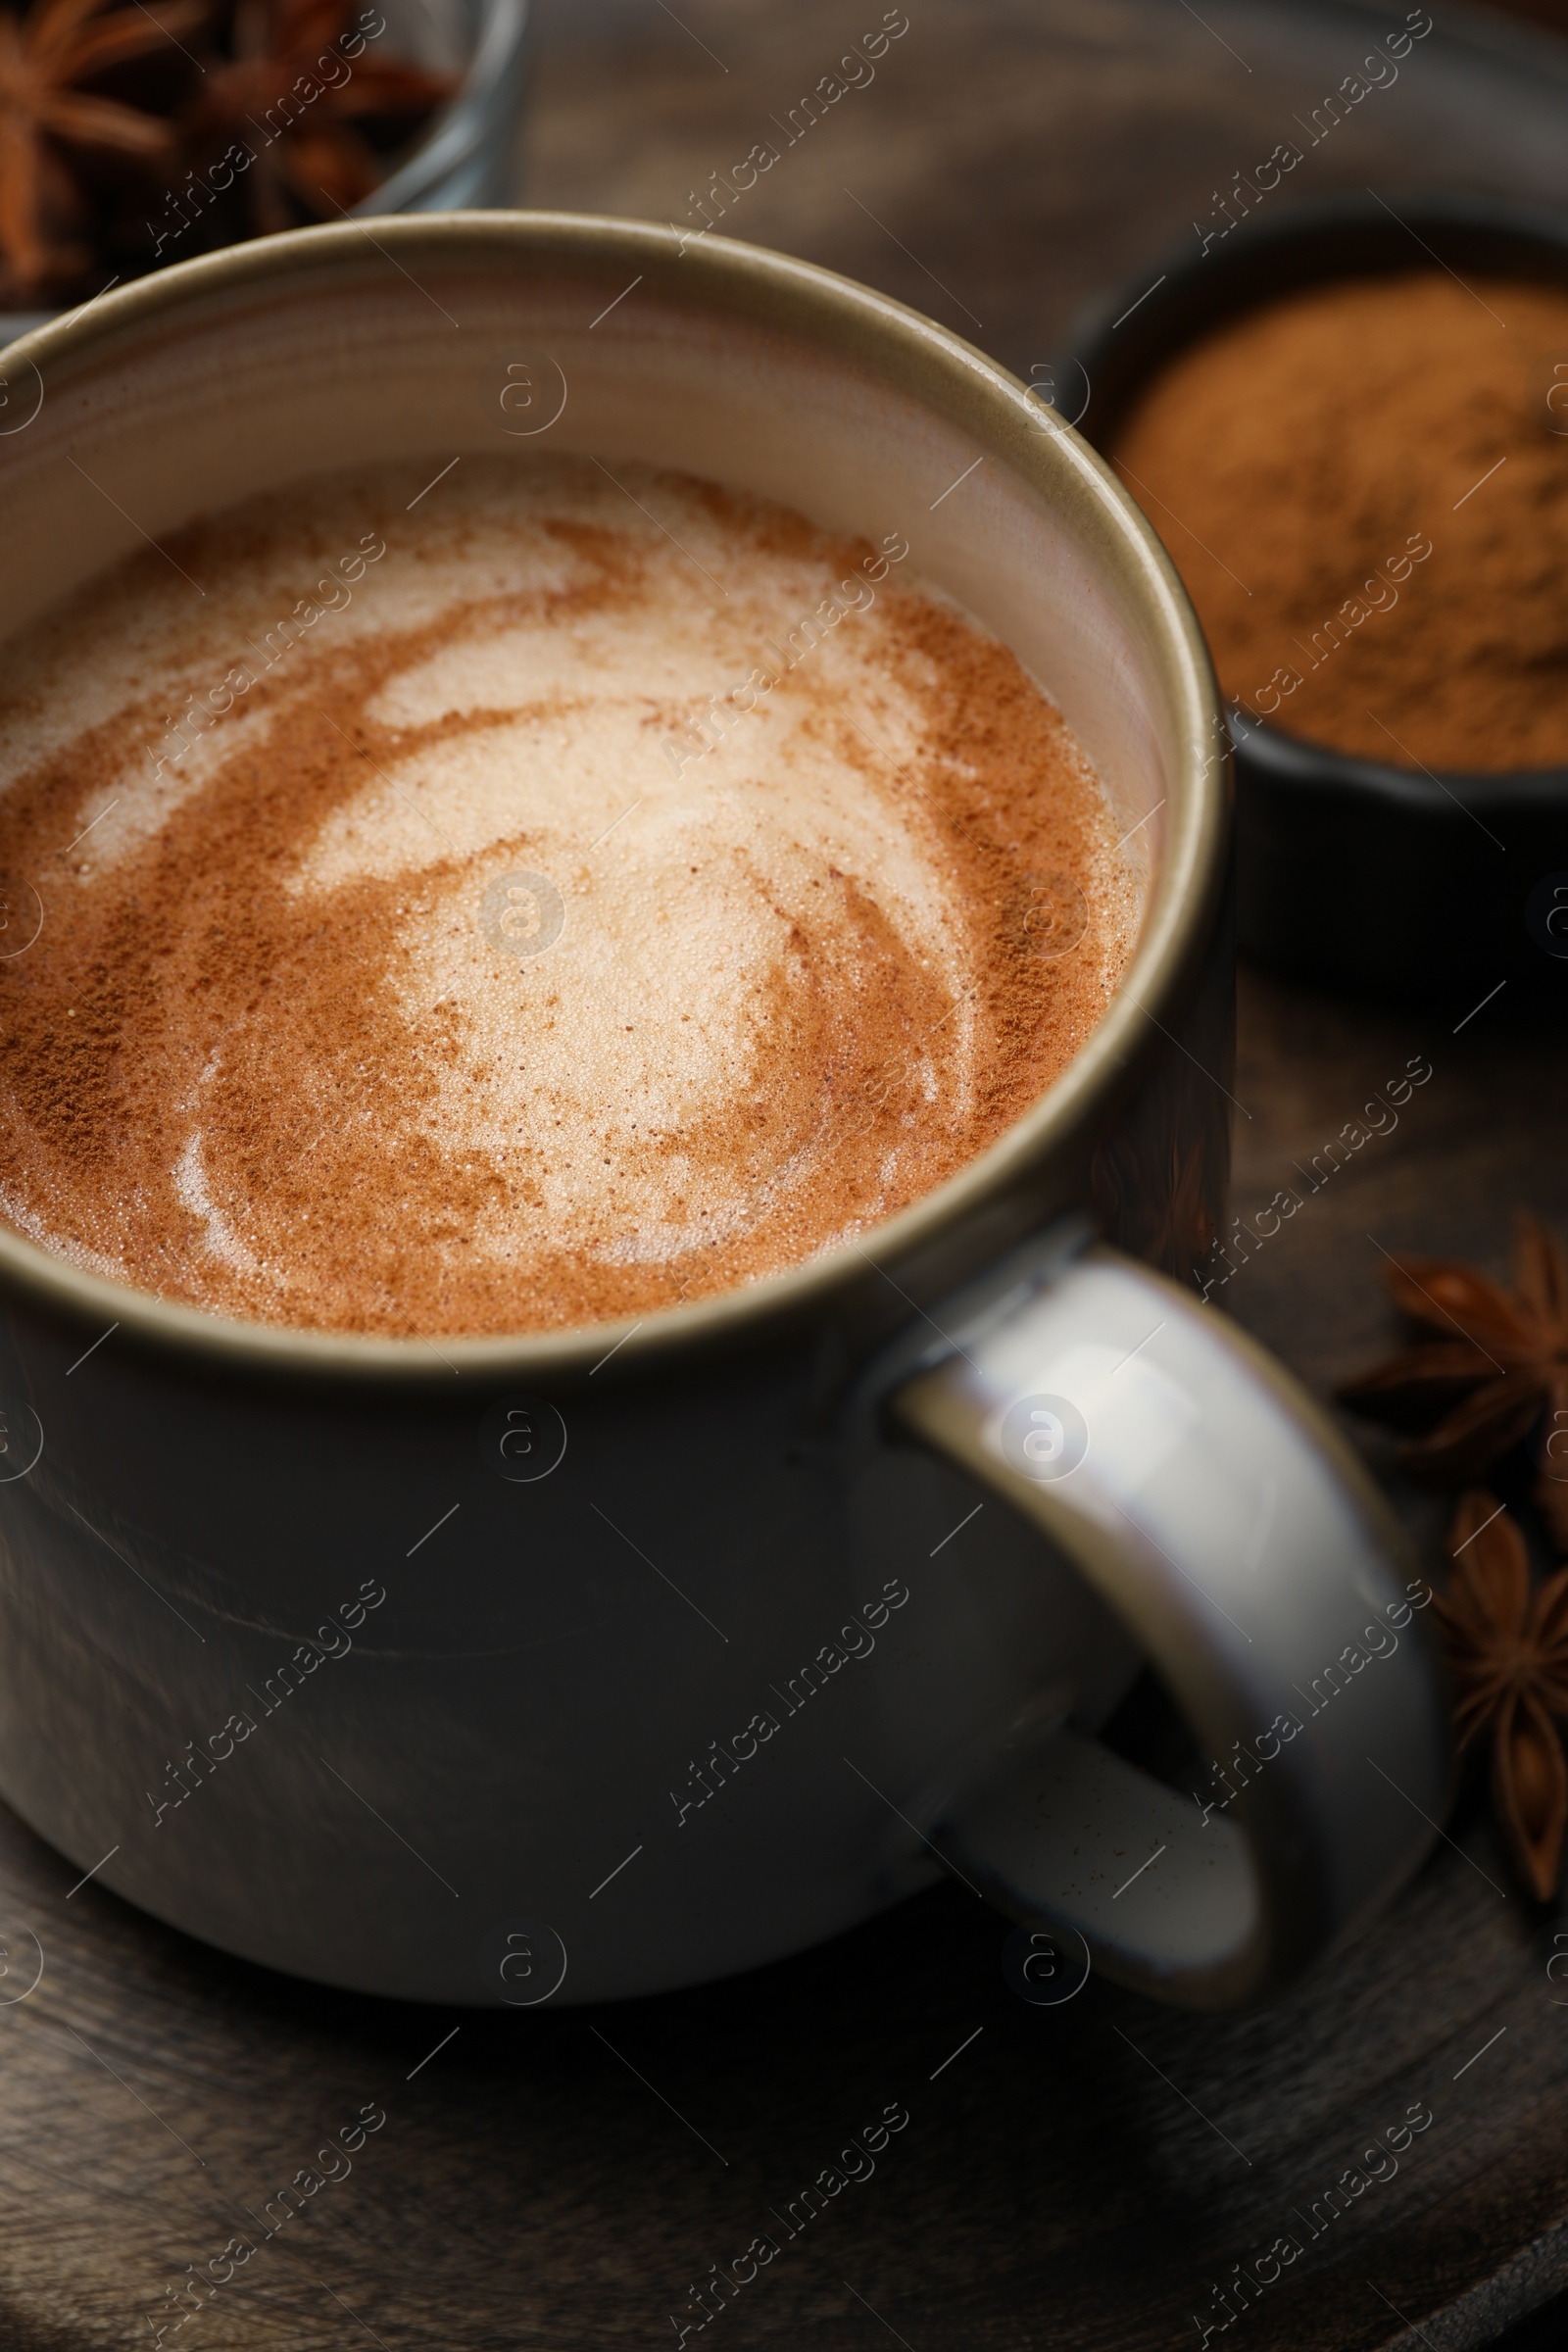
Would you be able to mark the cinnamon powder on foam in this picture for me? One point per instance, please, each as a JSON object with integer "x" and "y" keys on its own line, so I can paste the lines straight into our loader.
{"x": 265, "y": 1057}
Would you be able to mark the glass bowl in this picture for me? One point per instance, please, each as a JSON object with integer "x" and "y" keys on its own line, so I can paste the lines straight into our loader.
{"x": 465, "y": 159}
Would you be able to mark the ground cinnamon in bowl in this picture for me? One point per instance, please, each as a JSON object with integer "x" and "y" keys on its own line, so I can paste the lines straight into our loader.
{"x": 1364, "y": 486}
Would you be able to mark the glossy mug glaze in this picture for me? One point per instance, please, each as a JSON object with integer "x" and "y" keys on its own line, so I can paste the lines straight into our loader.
{"x": 593, "y": 1664}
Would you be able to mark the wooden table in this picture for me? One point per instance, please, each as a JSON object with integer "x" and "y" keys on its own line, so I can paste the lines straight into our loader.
{"x": 1080, "y": 2176}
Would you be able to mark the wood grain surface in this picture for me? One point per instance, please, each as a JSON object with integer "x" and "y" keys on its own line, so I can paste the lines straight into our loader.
{"x": 1075, "y": 2177}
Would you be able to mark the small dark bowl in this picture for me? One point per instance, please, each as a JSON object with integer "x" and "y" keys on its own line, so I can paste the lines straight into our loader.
{"x": 1363, "y": 877}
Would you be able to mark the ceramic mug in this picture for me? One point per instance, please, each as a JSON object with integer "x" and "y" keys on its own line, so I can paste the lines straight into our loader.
{"x": 576, "y": 1666}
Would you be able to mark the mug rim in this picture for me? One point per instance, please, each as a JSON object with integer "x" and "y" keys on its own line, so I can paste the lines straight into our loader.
{"x": 930, "y": 364}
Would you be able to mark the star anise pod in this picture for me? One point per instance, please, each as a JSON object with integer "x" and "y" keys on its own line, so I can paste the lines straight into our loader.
{"x": 1498, "y": 1371}
{"x": 1508, "y": 1647}
{"x": 304, "y": 108}
{"x": 48, "y": 120}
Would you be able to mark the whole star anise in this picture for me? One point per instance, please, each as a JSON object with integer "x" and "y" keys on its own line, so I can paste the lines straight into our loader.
{"x": 1508, "y": 1647}
{"x": 48, "y": 120}
{"x": 301, "y": 91}
{"x": 1498, "y": 1372}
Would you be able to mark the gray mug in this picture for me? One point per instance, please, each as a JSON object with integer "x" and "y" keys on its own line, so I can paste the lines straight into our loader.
{"x": 597, "y": 1663}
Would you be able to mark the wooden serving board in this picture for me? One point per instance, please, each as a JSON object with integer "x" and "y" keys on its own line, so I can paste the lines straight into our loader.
{"x": 1079, "y": 2176}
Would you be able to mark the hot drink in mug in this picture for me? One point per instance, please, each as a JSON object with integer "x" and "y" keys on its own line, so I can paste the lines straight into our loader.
{"x": 594, "y": 928}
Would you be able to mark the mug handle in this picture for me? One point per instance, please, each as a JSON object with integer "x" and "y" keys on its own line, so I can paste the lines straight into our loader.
{"x": 1220, "y": 1516}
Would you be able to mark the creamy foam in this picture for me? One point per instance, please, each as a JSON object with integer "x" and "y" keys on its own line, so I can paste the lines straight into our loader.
{"x": 559, "y": 896}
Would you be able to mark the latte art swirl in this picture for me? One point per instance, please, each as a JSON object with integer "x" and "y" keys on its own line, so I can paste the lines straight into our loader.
{"x": 455, "y": 951}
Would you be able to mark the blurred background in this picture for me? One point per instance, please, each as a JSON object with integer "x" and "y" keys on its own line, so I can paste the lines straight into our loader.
{"x": 1015, "y": 158}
